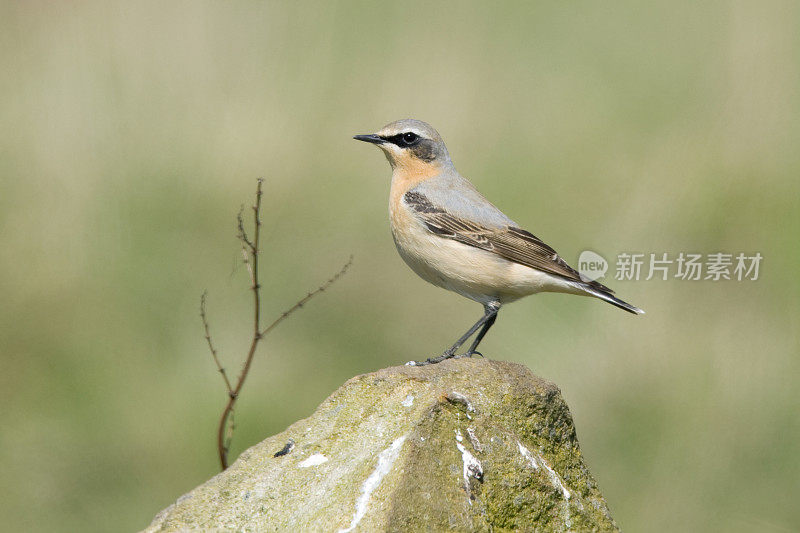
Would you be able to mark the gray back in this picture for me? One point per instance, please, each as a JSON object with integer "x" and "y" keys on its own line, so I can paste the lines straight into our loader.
{"x": 450, "y": 191}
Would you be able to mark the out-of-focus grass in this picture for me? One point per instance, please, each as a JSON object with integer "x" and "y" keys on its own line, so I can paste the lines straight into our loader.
{"x": 133, "y": 132}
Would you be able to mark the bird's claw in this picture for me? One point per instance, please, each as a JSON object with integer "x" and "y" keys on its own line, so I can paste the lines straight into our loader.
{"x": 448, "y": 354}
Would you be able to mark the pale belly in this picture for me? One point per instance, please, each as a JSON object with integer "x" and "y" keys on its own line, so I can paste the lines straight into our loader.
{"x": 474, "y": 273}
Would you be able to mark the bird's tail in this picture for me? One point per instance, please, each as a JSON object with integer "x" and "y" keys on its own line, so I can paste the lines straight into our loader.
{"x": 610, "y": 298}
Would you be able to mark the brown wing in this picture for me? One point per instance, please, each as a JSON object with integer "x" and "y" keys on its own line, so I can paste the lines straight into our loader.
{"x": 509, "y": 242}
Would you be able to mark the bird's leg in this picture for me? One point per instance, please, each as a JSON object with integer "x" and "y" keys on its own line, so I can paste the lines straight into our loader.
{"x": 491, "y": 310}
{"x": 486, "y": 321}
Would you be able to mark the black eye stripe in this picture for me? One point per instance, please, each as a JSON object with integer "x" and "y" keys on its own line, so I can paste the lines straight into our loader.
{"x": 405, "y": 139}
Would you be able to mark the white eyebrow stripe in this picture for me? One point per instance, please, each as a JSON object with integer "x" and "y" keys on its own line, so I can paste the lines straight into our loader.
{"x": 392, "y": 133}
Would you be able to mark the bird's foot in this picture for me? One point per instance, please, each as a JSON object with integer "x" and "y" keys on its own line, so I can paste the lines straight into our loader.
{"x": 448, "y": 354}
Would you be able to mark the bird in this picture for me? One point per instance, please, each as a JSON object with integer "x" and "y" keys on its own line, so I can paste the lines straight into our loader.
{"x": 453, "y": 237}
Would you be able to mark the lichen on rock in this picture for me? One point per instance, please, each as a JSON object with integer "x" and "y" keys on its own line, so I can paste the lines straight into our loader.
{"x": 467, "y": 445}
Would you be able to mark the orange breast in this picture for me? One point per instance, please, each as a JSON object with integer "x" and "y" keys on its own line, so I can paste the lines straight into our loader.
{"x": 406, "y": 176}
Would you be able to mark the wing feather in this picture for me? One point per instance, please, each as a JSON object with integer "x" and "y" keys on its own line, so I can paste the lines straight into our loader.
{"x": 512, "y": 243}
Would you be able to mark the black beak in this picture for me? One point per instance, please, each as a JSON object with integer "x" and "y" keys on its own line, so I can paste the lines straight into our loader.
{"x": 371, "y": 138}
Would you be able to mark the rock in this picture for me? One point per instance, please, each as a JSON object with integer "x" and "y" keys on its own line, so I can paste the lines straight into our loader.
{"x": 467, "y": 445}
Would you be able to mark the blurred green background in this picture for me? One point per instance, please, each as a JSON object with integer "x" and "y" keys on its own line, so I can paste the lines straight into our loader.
{"x": 132, "y": 133}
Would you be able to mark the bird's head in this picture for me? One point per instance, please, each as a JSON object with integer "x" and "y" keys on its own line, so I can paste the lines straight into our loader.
{"x": 410, "y": 144}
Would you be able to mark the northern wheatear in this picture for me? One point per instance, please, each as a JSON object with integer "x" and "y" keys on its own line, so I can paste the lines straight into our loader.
{"x": 453, "y": 237}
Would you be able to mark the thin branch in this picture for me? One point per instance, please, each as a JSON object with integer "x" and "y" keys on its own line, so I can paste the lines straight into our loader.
{"x": 211, "y": 344}
{"x": 250, "y": 254}
{"x": 222, "y": 445}
{"x": 242, "y": 235}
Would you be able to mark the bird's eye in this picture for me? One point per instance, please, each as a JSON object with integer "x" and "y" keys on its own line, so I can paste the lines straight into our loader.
{"x": 410, "y": 137}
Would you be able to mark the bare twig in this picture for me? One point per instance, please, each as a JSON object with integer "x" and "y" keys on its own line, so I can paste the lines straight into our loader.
{"x": 250, "y": 255}
{"x": 211, "y": 344}
{"x": 242, "y": 235}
